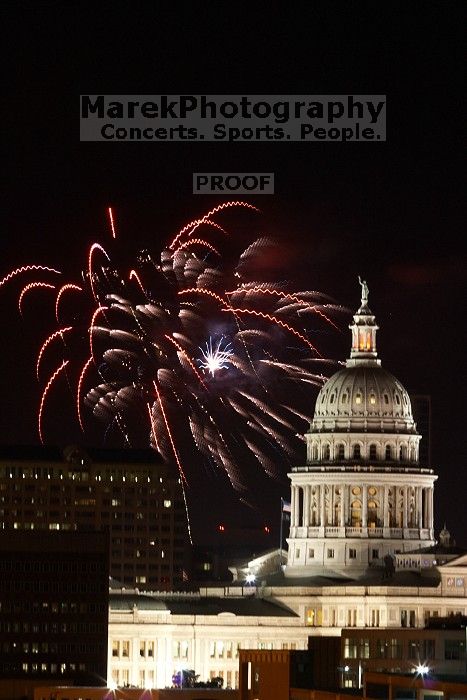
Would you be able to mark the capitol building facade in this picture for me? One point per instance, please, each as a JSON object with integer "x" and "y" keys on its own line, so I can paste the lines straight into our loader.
{"x": 361, "y": 549}
{"x": 363, "y": 494}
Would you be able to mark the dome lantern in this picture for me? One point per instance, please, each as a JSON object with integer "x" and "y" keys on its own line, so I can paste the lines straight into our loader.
{"x": 363, "y": 333}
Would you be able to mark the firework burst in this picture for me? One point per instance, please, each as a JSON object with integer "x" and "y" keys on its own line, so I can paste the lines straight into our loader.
{"x": 243, "y": 403}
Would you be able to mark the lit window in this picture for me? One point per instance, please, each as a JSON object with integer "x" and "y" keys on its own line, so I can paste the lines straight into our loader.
{"x": 167, "y": 503}
{"x": 358, "y": 398}
{"x": 372, "y": 399}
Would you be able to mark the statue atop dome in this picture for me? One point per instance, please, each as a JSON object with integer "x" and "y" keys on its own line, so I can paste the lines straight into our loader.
{"x": 364, "y": 287}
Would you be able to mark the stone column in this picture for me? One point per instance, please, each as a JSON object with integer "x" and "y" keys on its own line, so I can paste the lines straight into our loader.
{"x": 430, "y": 508}
{"x": 321, "y": 506}
{"x": 386, "y": 507}
{"x": 296, "y": 503}
{"x": 342, "y": 509}
{"x": 364, "y": 506}
{"x": 306, "y": 506}
{"x": 419, "y": 507}
{"x": 405, "y": 508}
{"x": 292, "y": 505}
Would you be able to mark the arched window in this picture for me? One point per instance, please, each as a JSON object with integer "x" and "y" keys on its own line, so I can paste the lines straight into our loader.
{"x": 398, "y": 400}
{"x": 372, "y": 517}
{"x": 388, "y": 455}
{"x": 386, "y": 399}
{"x": 314, "y": 452}
{"x": 326, "y": 452}
{"x": 340, "y": 451}
{"x": 356, "y": 451}
{"x": 373, "y": 454}
{"x": 356, "y": 513}
{"x": 402, "y": 452}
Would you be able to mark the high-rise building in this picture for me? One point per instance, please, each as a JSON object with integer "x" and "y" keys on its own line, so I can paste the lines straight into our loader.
{"x": 54, "y": 602}
{"x": 130, "y": 495}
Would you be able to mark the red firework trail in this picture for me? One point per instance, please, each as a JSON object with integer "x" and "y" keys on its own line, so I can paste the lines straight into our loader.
{"x": 78, "y": 392}
{"x": 196, "y": 241}
{"x": 91, "y": 251}
{"x": 28, "y": 287}
{"x": 202, "y": 290}
{"x": 153, "y": 429}
{"x": 273, "y": 319}
{"x": 134, "y": 275}
{"x": 283, "y": 295}
{"x": 61, "y": 291}
{"x": 44, "y": 394}
{"x": 182, "y": 473}
{"x": 112, "y": 225}
{"x": 91, "y": 327}
{"x": 27, "y": 268}
{"x": 187, "y": 358}
{"x": 48, "y": 340}
{"x": 205, "y": 219}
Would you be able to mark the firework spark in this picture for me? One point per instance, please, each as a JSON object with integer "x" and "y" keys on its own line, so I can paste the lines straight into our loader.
{"x": 112, "y": 224}
{"x": 215, "y": 357}
{"x": 29, "y": 287}
{"x": 243, "y": 404}
{"x": 44, "y": 396}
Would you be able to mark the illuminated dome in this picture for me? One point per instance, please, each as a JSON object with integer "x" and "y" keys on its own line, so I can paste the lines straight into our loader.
{"x": 363, "y": 397}
{"x": 363, "y": 411}
{"x": 362, "y": 495}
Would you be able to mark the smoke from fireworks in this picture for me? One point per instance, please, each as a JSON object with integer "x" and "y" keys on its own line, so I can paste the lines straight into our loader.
{"x": 194, "y": 344}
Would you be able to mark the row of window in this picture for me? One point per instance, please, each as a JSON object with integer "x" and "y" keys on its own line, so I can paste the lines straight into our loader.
{"x": 356, "y": 452}
{"x": 49, "y": 648}
{"x": 53, "y": 627}
{"x": 114, "y": 526}
{"x": 44, "y": 607}
{"x": 84, "y": 475}
{"x": 331, "y": 553}
{"x": 314, "y": 617}
{"x": 90, "y": 586}
{"x": 180, "y": 649}
{"x": 54, "y": 567}
{"x": 45, "y": 668}
{"x": 393, "y": 648}
{"x": 55, "y": 515}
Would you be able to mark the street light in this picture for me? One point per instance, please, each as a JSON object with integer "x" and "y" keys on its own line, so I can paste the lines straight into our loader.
{"x": 422, "y": 670}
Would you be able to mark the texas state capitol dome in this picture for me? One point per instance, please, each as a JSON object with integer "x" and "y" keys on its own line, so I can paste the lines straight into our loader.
{"x": 362, "y": 494}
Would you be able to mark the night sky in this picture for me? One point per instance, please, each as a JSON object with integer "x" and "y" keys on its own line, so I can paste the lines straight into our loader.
{"x": 390, "y": 212}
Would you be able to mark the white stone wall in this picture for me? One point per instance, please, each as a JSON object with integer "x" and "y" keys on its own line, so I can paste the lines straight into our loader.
{"x": 321, "y": 611}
